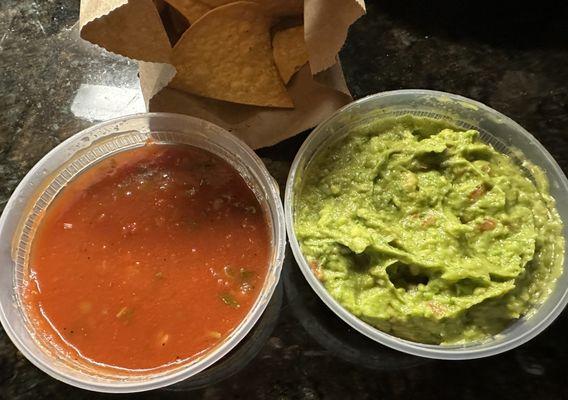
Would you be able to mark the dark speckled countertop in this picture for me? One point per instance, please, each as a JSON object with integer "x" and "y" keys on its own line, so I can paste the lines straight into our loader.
{"x": 516, "y": 60}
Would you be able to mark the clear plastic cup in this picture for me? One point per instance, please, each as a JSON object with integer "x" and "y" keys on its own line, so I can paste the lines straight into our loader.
{"x": 495, "y": 128}
{"x": 70, "y": 158}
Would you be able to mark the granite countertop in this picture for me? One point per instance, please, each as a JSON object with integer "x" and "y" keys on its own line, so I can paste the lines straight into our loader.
{"x": 53, "y": 85}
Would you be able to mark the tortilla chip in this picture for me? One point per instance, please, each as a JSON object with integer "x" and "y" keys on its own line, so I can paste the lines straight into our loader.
{"x": 259, "y": 126}
{"x": 227, "y": 55}
{"x": 190, "y": 9}
{"x": 277, "y": 8}
{"x": 290, "y": 52}
{"x": 151, "y": 44}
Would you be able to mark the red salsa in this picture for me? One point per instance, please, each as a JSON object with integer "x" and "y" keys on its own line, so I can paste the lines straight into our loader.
{"x": 148, "y": 259}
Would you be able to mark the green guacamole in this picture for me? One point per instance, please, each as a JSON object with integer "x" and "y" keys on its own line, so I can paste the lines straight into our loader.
{"x": 426, "y": 232}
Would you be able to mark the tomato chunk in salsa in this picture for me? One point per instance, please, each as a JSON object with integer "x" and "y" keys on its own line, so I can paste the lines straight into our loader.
{"x": 148, "y": 259}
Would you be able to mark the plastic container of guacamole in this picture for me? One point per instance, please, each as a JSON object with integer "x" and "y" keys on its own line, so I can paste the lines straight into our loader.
{"x": 505, "y": 135}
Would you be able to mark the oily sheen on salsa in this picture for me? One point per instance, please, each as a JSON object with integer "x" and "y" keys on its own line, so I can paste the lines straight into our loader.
{"x": 148, "y": 259}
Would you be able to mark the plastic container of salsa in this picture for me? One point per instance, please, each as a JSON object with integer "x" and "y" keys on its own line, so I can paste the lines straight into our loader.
{"x": 74, "y": 156}
{"x": 504, "y": 135}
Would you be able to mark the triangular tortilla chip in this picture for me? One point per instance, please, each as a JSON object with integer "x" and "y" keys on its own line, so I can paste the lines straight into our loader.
{"x": 258, "y": 126}
{"x": 227, "y": 55}
{"x": 190, "y": 9}
{"x": 277, "y": 8}
{"x": 290, "y": 53}
{"x": 137, "y": 19}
